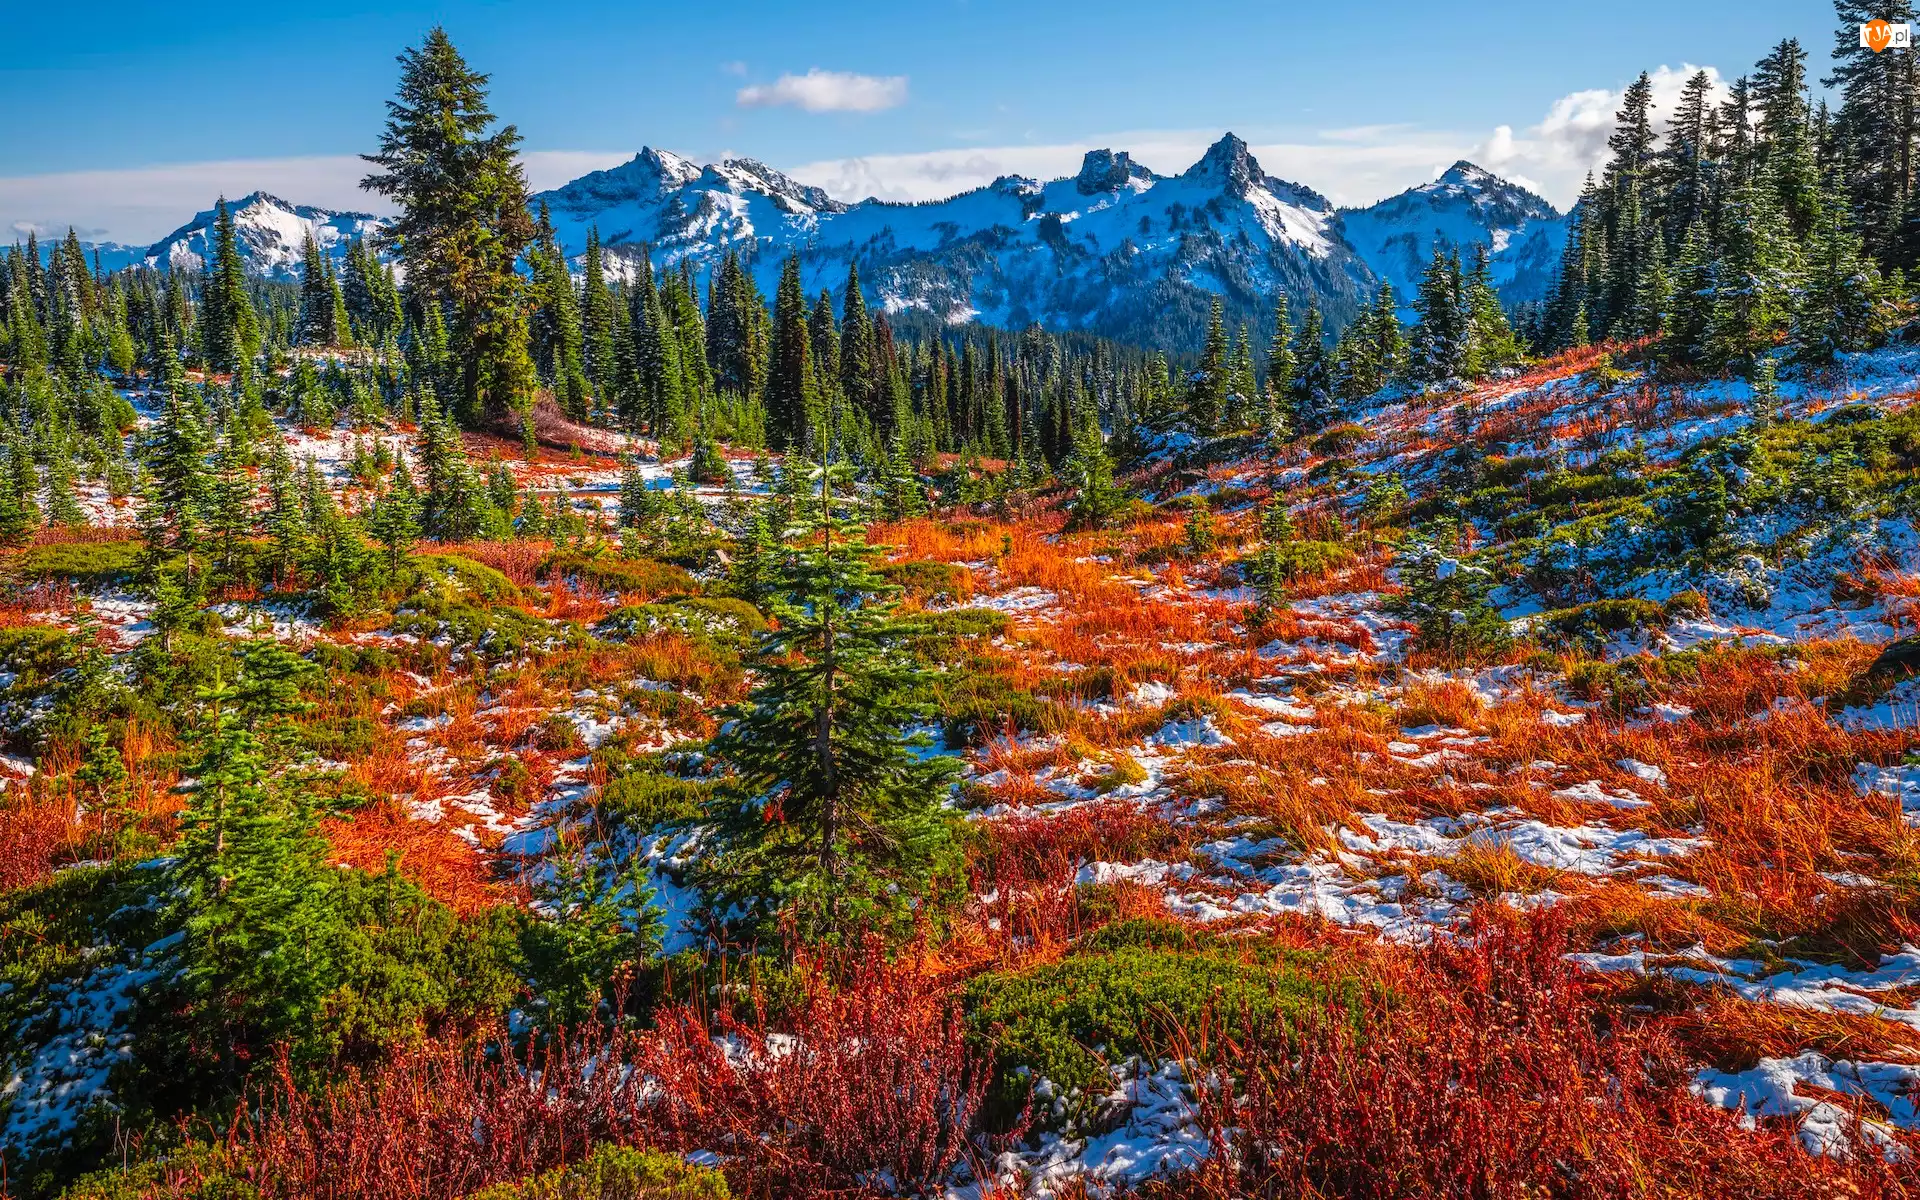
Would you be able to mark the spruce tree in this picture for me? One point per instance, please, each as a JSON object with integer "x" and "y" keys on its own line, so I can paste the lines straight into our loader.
{"x": 1441, "y": 342}
{"x": 1279, "y": 419}
{"x": 1756, "y": 277}
{"x": 314, "y": 326}
{"x": 254, "y": 894}
{"x": 1207, "y": 395}
{"x": 833, "y": 823}
{"x": 231, "y": 328}
{"x": 597, "y": 335}
{"x": 1312, "y": 374}
{"x": 1840, "y": 308}
{"x": 395, "y": 518}
{"x": 463, "y": 220}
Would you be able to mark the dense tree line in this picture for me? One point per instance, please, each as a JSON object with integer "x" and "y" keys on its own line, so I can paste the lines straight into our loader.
{"x": 1758, "y": 219}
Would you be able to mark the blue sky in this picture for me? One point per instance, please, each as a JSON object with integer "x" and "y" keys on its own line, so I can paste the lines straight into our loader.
{"x": 116, "y": 132}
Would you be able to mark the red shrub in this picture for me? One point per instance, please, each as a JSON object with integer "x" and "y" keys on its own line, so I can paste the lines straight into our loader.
{"x": 1494, "y": 1071}
{"x": 429, "y": 1124}
{"x": 876, "y": 1090}
{"x": 873, "y": 1088}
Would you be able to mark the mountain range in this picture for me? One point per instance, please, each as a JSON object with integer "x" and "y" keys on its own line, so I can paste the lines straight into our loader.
{"x": 1115, "y": 249}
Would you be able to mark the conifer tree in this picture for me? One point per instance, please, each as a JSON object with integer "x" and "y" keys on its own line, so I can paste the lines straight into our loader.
{"x": 1279, "y": 419}
{"x": 597, "y": 333}
{"x": 1446, "y": 597}
{"x": 229, "y": 500}
{"x": 1442, "y": 341}
{"x": 1756, "y": 276}
{"x": 231, "y": 328}
{"x": 1207, "y": 395}
{"x": 463, "y": 220}
{"x": 835, "y": 823}
{"x": 314, "y": 326}
{"x": 285, "y": 522}
{"x": 103, "y": 770}
{"x": 19, "y": 515}
{"x": 395, "y": 518}
{"x": 1876, "y": 128}
{"x": 1491, "y": 343}
{"x": 1695, "y": 283}
{"x": 63, "y": 508}
{"x": 1089, "y": 469}
{"x": 254, "y": 895}
{"x": 182, "y": 488}
{"x": 1312, "y": 374}
{"x": 597, "y": 926}
{"x": 856, "y": 350}
{"x": 1840, "y": 307}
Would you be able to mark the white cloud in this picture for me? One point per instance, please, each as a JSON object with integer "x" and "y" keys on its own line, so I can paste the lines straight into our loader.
{"x": 1572, "y": 138}
{"x": 827, "y": 91}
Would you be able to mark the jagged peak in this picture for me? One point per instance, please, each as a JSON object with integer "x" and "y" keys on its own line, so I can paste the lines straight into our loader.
{"x": 754, "y": 175}
{"x": 649, "y": 172}
{"x": 1108, "y": 171}
{"x": 666, "y": 165}
{"x": 1469, "y": 174}
{"x": 1227, "y": 162}
{"x": 1469, "y": 182}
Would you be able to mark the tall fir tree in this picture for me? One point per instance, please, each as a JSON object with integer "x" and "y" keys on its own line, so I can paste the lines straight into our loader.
{"x": 463, "y": 221}
{"x": 834, "y": 823}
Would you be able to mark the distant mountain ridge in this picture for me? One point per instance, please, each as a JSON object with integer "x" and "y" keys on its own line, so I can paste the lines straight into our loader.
{"x": 1466, "y": 205}
{"x": 1115, "y": 249}
{"x": 271, "y": 234}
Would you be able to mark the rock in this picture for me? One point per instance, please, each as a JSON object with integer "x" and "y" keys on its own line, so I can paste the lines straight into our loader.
{"x": 1898, "y": 660}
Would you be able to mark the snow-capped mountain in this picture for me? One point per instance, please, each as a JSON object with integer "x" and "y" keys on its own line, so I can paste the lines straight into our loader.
{"x": 1115, "y": 249}
{"x": 1467, "y": 204}
{"x": 270, "y": 232}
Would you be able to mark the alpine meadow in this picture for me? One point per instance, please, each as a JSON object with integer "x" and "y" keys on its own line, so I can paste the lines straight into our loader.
{"x": 710, "y": 680}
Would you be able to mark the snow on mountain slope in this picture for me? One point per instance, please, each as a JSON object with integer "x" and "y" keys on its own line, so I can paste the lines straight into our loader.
{"x": 271, "y": 234}
{"x": 1466, "y": 205}
{"x": 1115, "y": 249}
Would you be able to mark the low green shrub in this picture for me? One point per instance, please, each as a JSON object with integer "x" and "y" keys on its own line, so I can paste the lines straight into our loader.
{"x": 928, "y": 582}
{"x": 645, "y": 799}
{"x": 1589, "y": 627}
{"x": 975, "y": 706}
{"x": 86, "y": 564}
{"x": 644, "y": 578}
{"x": 492, "y": 633}
{"x": 457, "y": 575}
{"x": 1302, "y": 560}
{"x": 1129, "y": 989}
{"x": 1338, "y": 440}
{"x": 721, "y": 618}
{"x": 949, "y": 636}
{"x": 194, "y": 1172}
{"x": 1622, "y": 689}
{"x": 616, "y": 1173}
{"x": 1689, "y": 603}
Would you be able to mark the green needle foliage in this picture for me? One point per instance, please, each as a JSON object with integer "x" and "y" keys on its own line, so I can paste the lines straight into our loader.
{"x": 835, "y": 824}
